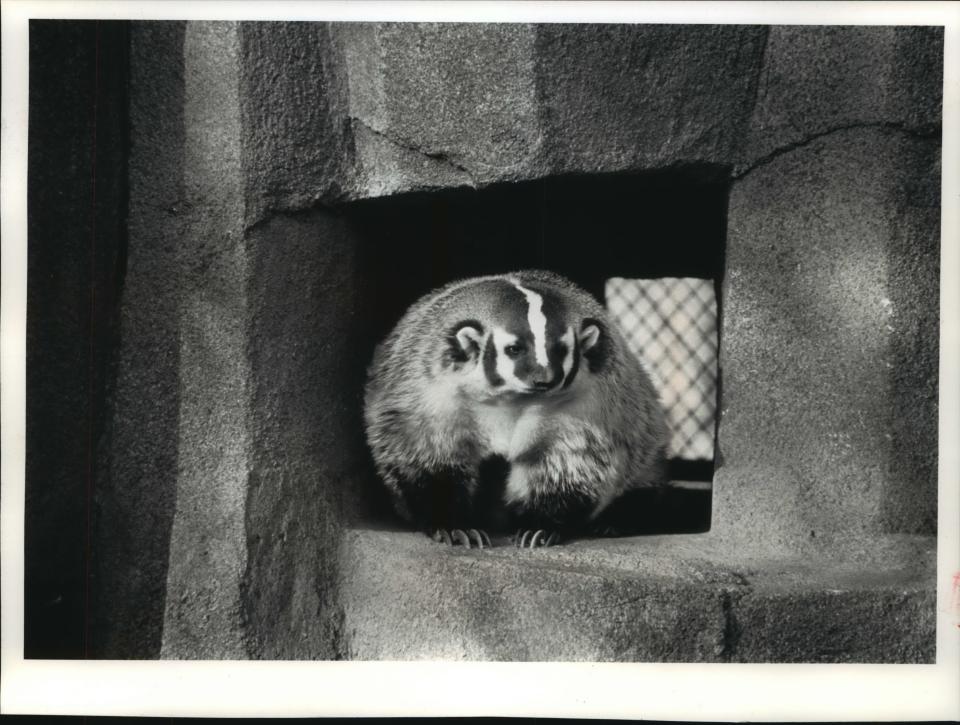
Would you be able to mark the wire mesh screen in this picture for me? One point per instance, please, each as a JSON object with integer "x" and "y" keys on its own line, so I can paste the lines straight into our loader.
{"x": 671, "y": 325}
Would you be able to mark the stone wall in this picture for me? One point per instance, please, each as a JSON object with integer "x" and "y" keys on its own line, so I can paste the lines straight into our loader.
{"x": 235, "y": 422}
{"x": 137, "y": 493}
{"x": 829, "y": 343}
{"x": 234, "y": 451}
{"x": 412, "y": 107}
{"x": 831, "y": 326}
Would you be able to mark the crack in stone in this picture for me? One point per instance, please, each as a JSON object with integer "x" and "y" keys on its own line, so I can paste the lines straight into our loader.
{"x": 323, "y": 200}
{"x": 732, "y": 630}
{"x": 927, "y": 131}
{"x": 410, "y": 146}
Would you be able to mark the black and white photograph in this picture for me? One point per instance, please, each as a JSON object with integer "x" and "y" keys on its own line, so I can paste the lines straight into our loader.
{"x": 617, "y": 340}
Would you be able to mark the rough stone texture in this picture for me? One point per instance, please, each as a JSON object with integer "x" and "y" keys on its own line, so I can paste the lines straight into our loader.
{"x": 886, "y": 615}
{"x": 426, "y": 106}
{"x": 818, "y": 79}
{"x": 909, "y": 499}
{"x": 631, "y": 97}
{"x": 440, "y": 104}
{"x": 296, "y": 145}
{"x": 269, "y": 382}
{"x": 235, "y": 429}
{"x": 137, "y": 492}
{"x": 829, "y": 343}
{"x": 664, "y": 599}
{"x": 423, "y": 106}
{"x": 75, "y": 241}
{"x": 203, "y": 616}
{"x": 306, "y": 436}
{"x": 407, "y": 598}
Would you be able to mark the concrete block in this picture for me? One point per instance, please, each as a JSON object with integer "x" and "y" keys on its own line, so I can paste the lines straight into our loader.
{"x": 306, "y": 442}
{"x": 829, "y": 343}
{"x": 891, "y": 619}
{"x": 295, "y": 130}
{"x": 356, "y": 110}
{"x": 208, "y": 537}
{"x": 268, "y": 426}
{"x": 641, "y": 97}
{"x": 408, "y": 598}
{"x": 353, "y": 110}
{"x": 264, "y": 432}
{"x": 647, "y": 599}
{"x": 440, "y": 104}
{"x": 876, "y": 605}
{"x": 820, "y": 78}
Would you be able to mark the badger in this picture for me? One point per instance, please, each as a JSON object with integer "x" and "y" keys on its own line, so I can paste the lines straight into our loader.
{"x": 526, "y": 376}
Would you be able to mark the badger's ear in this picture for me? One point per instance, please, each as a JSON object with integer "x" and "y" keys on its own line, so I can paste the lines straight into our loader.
{"x": 589, "y": 335}
{"x": 469, "y": 337}
{"x": 594, "y": 344}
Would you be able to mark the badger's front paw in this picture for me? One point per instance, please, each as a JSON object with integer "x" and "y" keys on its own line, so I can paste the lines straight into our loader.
{"x": 533, "y": 538}
{"x": 469, "y": 538}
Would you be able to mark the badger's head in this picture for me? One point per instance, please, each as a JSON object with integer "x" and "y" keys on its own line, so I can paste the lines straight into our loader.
{"x": 527, "y": 342}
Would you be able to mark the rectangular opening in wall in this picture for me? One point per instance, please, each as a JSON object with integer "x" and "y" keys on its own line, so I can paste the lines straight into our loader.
{"x": 648, "y": 246}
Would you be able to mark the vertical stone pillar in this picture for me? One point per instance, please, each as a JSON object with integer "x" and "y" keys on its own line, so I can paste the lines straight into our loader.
{"x": 306, "y": 441}
{"x": 268, "y": 430}
{"x": 208, "y": 539}
{"x": 136, "y": 490}
{"x": 828, "y": 425}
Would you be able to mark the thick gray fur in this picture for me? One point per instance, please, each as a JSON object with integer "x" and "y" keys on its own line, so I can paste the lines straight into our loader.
{"x": 611, "y": 440}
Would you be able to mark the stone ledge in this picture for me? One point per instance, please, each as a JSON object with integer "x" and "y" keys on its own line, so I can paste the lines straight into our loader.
{"x": 681, "y": 598}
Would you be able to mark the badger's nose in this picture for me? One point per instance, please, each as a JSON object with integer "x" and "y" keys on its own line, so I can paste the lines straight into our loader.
{"x": 543, "y": 379}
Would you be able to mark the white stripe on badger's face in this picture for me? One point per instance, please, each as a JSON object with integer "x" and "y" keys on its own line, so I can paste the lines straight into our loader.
{"x": 538, "y": 323}
{"x": 569, "y": 339}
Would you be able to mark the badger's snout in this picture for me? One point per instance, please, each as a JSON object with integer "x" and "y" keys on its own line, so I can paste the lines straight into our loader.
{"x": 545, "y": 378}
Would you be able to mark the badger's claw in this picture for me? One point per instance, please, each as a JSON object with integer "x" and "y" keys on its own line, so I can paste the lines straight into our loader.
{"x": 480, "y": 537}
{"x": 531, "y": 539}
{"x": 469, "y": 538}
{"x": 442, "y": 535}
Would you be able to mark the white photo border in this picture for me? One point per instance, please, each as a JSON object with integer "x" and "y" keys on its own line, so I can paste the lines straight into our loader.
{"x": 644, "y": 691}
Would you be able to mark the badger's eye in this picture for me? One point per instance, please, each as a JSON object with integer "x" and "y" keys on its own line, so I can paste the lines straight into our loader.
{"x": 513, "y": 350}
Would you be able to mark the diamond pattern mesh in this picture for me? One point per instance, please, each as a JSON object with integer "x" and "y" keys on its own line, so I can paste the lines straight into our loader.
{"x": 671, "y": 325}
